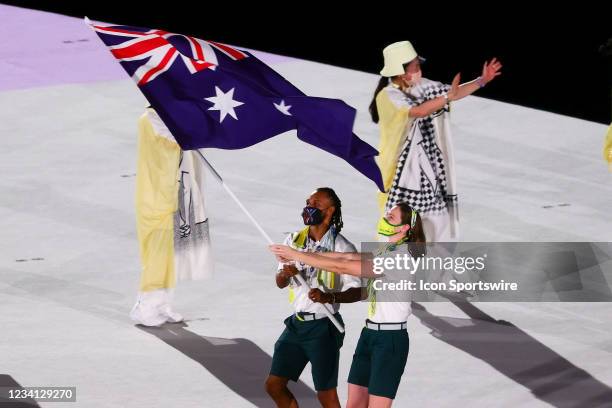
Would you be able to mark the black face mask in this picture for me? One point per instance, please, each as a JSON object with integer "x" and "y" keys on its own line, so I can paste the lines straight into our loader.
{"x": 312, "y": 216}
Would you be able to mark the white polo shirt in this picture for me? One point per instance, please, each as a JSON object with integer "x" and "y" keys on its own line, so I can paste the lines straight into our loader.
{"x": 388, "y": 305}
{"x": 389, "y": 312}
{"x": 325, "y": 281}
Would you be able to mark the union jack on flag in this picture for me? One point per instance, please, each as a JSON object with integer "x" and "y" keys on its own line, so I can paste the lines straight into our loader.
{"x": 212, "y": 95}
{"x": 161, "y": 54}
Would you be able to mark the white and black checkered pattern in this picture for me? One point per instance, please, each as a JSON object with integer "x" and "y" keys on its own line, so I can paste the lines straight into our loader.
{"x": 433, "y": 197}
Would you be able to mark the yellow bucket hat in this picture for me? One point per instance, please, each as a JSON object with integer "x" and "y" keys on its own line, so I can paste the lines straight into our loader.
{"x": 396, "y": 55}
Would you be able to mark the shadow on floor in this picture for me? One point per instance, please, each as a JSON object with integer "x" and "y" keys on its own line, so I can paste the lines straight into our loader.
{"x": 239, "y": 363}
{"x": 7, "y": 382}
{"x": 520, "y": 357}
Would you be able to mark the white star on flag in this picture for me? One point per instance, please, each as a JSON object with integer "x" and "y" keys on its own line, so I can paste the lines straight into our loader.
{"x": 283, "y": 108}
{"x": 224, "y": 103}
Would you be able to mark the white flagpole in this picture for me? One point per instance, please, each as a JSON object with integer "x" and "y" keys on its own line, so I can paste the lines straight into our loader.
{"x": 299, "y": 277}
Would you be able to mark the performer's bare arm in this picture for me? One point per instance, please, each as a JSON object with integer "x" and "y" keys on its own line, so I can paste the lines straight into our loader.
{"x": 490, "y": 71}
{"x": 429, "y": 107}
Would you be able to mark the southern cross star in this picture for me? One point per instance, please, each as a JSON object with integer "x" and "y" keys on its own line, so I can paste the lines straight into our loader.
{"x": 283, "y": 108}
{"x": 224, "y": 103}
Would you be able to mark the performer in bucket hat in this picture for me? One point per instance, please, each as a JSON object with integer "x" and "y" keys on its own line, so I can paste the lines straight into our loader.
{"x": 416, "y": 154}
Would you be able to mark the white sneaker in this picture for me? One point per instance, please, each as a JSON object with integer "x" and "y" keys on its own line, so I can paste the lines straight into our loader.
{"x": 171, "y": 316}
{"x": 147, "y": 316}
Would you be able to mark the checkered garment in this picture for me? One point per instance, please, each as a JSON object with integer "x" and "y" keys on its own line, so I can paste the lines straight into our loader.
{"x": 425, "y": 170}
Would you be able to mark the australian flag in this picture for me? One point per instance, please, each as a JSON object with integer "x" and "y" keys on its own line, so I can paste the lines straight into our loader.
{"x": 214, "y": 95}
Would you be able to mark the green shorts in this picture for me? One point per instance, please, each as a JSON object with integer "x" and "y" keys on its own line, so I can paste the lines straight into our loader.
{"x": 379, "y": 361}
{"x": 314, "y": 341}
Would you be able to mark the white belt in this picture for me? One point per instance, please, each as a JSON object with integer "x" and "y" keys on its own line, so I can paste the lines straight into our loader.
{"x": 310, "y": 316}
{"x": 386, "y": 326}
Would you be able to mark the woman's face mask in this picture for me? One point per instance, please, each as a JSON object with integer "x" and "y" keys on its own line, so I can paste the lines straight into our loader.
{"x": 387, "y": 231}
{"x": 415, "y": 78}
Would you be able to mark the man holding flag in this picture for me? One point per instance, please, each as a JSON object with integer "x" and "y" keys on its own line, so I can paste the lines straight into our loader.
{"x": 309, "y": 335}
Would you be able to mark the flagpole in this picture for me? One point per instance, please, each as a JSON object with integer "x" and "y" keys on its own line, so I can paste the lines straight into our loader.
{"x": 298, "y": 276}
